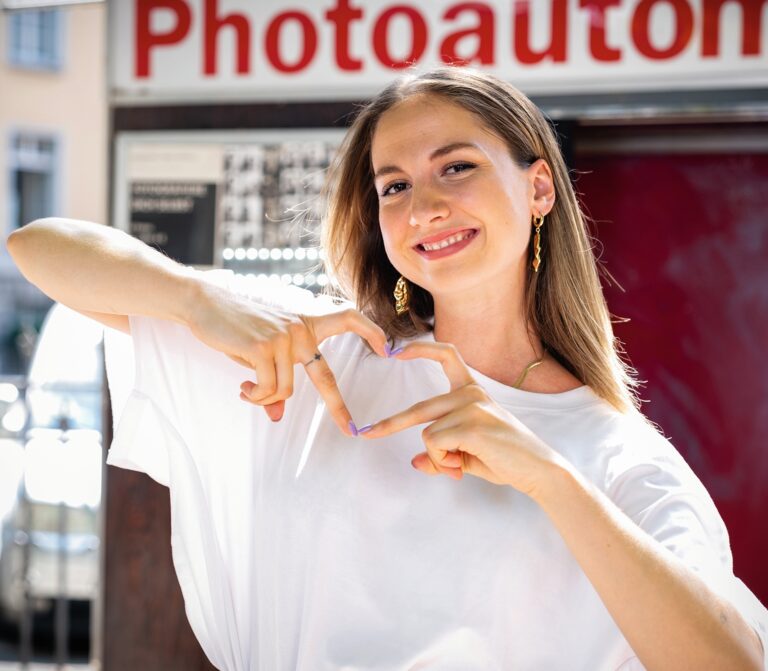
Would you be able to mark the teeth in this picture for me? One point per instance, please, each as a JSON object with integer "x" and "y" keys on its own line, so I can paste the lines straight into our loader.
{"x": 431, "y": 247}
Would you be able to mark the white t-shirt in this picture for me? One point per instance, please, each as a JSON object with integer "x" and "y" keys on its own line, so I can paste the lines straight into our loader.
{"x": 297, "y": 547}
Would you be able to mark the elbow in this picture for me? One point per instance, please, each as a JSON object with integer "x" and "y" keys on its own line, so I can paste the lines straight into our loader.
{"x": 15, "y": 243}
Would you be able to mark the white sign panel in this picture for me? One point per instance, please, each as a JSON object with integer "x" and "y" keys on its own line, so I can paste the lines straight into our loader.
{"x": 198, "y": 50}
{"x": 200, "y": 195}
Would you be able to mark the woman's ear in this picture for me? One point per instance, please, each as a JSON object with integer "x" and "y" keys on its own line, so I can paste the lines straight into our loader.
{"x": 543, "y": 193}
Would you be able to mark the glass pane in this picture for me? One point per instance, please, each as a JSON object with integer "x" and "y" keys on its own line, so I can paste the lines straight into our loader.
{"x": 14, "y": 26}
{"x": 34, "y": 37}
{"x": 32, "y": 153}
{"x": 47, "y": 37}
{"x": 29, "y": 36}
{"x": 33, "y": 193}
{"x": 45, "y": 146}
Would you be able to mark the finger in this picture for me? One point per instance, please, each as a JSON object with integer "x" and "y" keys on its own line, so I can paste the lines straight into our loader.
{"x": 325, "y": 326}
{"x": 445, "y": 354}
{"x": 274, "y": 410}
{"x": 266, "y": 376}
{"x": 443, "y": 441}
{"x": 306, "y": 352}
{"x": 428, "y": 410}
{"x": 325, "y": 382}
{"x": 457, "y": 432}
{"x": 454, "y": 463}
{"x": 449, "y": 443}
{"x": 240, "y": 360}
{"x": 422, "y": 462}
{"x": 450, "y": 461}
{"x": 284, "y": 371}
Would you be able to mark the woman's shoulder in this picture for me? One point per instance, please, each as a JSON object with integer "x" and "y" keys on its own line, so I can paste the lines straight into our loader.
{"x": 637, "y": 448}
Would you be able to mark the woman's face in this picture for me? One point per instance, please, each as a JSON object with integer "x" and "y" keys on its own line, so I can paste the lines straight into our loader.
{"x": 441, "y": 176}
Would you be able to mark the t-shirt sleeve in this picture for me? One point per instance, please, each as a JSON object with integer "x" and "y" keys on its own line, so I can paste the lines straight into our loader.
{"x": 651, "y": 482}
{"x": 167, "y": 387}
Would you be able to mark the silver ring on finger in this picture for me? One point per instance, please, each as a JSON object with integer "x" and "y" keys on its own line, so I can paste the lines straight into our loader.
{"x": 317, "y": 357}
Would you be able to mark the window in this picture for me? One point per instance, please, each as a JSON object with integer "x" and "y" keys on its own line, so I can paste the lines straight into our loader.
{"x": 35, "y": 38}
{"x": 32, "y": 166}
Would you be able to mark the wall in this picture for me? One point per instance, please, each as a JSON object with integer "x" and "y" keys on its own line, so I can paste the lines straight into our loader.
{"x": 69, "y": 104}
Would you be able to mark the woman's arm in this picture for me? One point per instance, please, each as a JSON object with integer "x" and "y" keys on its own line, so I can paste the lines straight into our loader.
{"x": 105, "y": 273}
{"x": 102, "y": 271}
{"x": 667, "y": 613}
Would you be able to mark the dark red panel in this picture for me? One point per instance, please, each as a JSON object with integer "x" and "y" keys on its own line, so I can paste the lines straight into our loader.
{"x": 687, "y": 237}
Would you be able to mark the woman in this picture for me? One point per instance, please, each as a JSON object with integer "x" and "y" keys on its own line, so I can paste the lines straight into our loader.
{"x": 583, "y": 541}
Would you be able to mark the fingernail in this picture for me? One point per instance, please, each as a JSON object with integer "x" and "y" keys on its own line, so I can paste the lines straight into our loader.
{"x": 396, "y": 351}
{"x": 353, "y": 428}
{"x": 387, "y": 349}
{"x": 365, "y": 429}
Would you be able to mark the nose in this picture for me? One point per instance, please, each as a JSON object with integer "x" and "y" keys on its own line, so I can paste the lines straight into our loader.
{"x": 428, "y": 204}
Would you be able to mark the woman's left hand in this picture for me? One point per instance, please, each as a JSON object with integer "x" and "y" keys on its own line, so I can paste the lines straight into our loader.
{"x": 469, "y": 432}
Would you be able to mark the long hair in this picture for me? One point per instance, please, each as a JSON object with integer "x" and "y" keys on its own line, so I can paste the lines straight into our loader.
{"x": 564, "y": 300}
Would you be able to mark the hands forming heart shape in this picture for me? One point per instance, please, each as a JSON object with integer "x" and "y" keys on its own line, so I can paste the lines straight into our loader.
{"x": 467, "y": 432}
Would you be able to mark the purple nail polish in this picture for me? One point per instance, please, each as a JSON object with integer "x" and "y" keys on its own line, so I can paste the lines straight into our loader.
{"x": 387, "y": 349}
{"x": 365, "y": 429}
{"x": 396, "y": 351}
{"x": 353, "y": 428}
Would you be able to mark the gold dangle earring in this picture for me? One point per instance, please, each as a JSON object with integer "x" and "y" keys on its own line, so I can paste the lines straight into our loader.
{"x": 538, "y": 222}
{"x": 401, "y": 296}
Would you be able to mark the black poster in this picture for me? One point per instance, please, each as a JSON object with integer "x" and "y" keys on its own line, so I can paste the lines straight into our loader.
{"x": 178, "y": 218}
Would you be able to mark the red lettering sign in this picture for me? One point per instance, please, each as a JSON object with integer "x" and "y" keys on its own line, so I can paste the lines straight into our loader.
{"x": 557, "y": 42}
{"x": 751, "y": 26}
{"x": 146, "y": 39}
{"x": 213, "y": 23}
{"x": 470, "y": 36}
{"x": 381, "y": 36}
{"x": 341, "y": 16}
{"x": 309, "y": 42}
{"x": 484, "y": 31}
{"x": 683, "y": 28}
{"x": 598, "y": 46}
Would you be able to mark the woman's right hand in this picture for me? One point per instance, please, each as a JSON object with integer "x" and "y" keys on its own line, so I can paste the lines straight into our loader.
{"x": 271, "y": 341}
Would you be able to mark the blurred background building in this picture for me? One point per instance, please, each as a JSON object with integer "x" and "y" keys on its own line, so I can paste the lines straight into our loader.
{"x": 53, "y": 151}
{"x": 223, "y": 117}
{"x": 53, "y": 161}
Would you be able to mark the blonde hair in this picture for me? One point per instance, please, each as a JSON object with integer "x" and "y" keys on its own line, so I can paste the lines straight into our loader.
{"x": 565, "y": 302}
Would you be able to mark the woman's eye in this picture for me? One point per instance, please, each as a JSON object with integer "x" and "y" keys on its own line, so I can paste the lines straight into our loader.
{"x": 387, "y": 189}
{"x": 461, "y": 167}
{"x": 458, "y": 167}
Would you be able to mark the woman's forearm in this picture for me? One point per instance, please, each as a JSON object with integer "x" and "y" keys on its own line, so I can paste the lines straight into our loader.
{"x": 667, "y": 613}
{"x": 96, "y": 268}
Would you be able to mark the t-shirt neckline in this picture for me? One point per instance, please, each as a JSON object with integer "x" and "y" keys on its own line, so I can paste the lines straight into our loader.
{"x": 506, "y": 395}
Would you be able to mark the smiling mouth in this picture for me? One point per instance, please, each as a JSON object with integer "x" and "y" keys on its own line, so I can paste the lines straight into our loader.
{"x": 447, "y": 242}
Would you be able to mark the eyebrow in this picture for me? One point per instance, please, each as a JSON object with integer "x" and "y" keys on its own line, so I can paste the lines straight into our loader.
{"x": 440, "y": 151}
